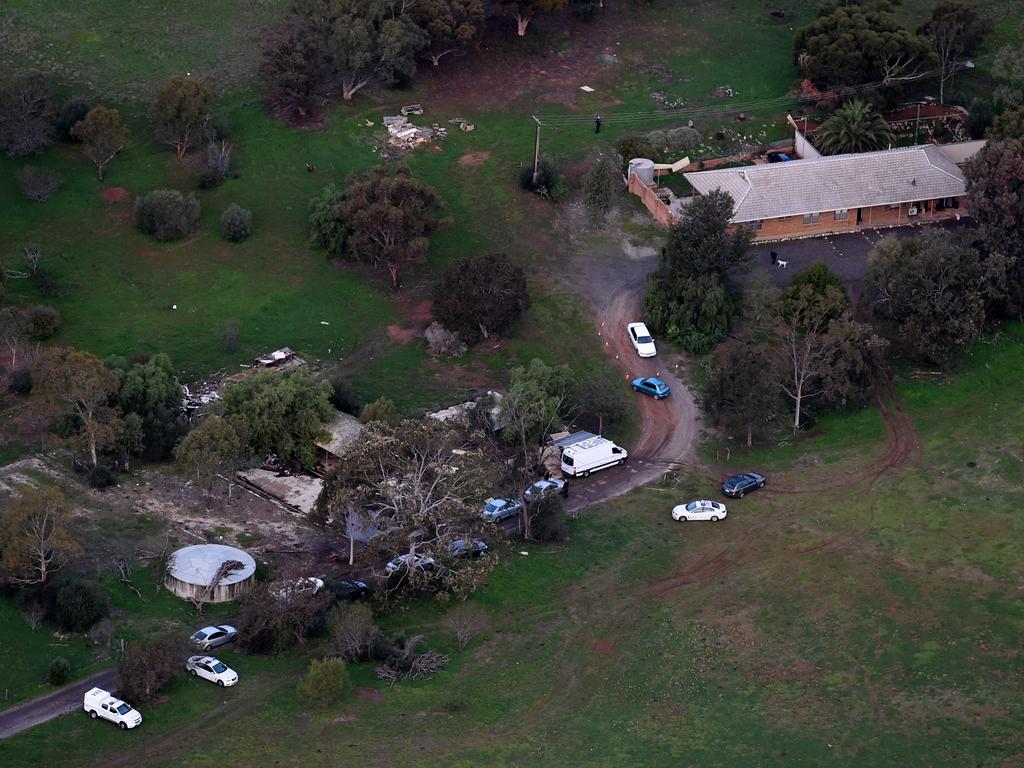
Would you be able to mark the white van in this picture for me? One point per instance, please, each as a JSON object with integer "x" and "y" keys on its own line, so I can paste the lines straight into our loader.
{"x": 586, "y": 456}
{"x": 100, "y": 703}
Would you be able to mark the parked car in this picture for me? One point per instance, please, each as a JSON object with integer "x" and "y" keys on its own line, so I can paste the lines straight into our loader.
{"x": 467, "y": 548}
{"x": 496, "y": 510}
{"x": 410, "y": 560}
{"x": 208, "y": 638}
{"x": 283, "y": 590}
{"x": 641, "y": 339}
{"x": 350, "y": 589}
{"x": 212, "y": 669}
{"x": 544, "y": 488}
{"x": 100, "y": 703}
{"x": 700, "y": 510}
{"x": 656, "y": 388}
{"x": 590, "y": 455}
{"x": 737, "y": 485}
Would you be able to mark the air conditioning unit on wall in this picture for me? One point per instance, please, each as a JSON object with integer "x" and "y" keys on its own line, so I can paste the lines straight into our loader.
{"x": 912, "y": 210}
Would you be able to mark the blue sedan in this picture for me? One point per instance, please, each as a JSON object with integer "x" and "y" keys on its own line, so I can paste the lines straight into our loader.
{"x": 656, "y": 388}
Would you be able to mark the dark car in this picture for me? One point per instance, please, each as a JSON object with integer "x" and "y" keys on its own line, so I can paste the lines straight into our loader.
{"x": 467, "y": 548}
{"x": 737, "y": 485}
{"x": 350, "y": 589}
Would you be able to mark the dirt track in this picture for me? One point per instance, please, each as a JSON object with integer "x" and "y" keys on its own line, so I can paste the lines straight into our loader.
{"x": 614, "y": 287}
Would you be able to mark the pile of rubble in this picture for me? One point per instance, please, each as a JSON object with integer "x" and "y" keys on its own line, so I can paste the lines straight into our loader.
{"x": 404, "y": 135}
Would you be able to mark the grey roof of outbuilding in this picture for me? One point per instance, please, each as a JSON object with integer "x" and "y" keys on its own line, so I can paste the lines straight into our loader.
{"x": 798, "y": 187}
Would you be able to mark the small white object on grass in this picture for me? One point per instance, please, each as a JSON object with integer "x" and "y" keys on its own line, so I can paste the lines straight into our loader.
{"x": 174, "y": 306}
{"x": 524, "y": 554}
{"x": 586, "y": 88}
{"x": 324, "y": 322}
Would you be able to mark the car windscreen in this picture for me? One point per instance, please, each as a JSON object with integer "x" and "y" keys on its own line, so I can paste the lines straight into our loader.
{"x": 219, "y": 667}
{"x": 644, "y": 339}
{"x": 200, "y": 635}
{"x": 124, "y": 709}
{"x": 691, "y": 506}
{"x": 494, "y": 506}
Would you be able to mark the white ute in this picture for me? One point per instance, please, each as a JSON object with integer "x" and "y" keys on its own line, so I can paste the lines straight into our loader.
{"x": 100, "y": 703}
{"x": 590, "y": 455}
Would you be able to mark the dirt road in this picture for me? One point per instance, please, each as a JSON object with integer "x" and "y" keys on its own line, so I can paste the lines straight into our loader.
{"x": 614, "y": 288}
{"x": 60, "y": 702}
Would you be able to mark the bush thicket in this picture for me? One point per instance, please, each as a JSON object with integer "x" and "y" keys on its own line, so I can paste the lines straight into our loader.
{"x": 236, "y": 223}
{"x": 166, "y": 214}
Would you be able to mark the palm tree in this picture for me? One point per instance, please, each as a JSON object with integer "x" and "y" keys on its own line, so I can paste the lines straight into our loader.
{"x": 854, "y": 127}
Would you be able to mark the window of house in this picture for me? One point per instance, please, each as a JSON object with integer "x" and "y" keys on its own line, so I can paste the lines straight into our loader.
{"x": 756, "y": 224}
{"x": 812, "y": 218}
{"x": 949, "y": 202}
{"x": 842, "y": 214}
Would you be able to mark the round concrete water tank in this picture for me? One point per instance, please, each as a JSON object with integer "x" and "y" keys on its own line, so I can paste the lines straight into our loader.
{"x": 643, "y": 168}
{"x": 193, "y": 568}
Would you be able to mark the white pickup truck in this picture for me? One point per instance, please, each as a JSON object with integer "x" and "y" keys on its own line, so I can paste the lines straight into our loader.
{"x": 100, "y": 703}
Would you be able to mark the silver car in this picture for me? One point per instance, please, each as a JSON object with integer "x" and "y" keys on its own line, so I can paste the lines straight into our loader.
{"x": 214, "y": 637}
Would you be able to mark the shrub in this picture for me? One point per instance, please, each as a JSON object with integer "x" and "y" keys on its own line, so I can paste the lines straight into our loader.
{"x": 549, "y": 519}
{"x": 21, "y": 380}
{"x": 444, "y": 343}
{"x": 630, "y": 147}
{"x": 465, "y": 621}
{"x": 60, "y": 671}
{"x": 77, "y": 605}
{"x": 354, "y": 634}
{"x": 327, "y": 231}
{"x": 218, "y": 165}
{"x": 344, "y": 398}
{"x": 382, "y": 410}
{"x": 148, "y": 667}
{"x": 227, "y": 335}
{"x": 325, "y": 683}
{"x": 101, "y": 477}
{"x": 74, "y": 111}
{"x": 47, "y": 283}
{"x": 550, "y": 183}
{"x": 26, "y": 117}
{"x": 236, "y": 223}
{"x": 166, "y": 214}
{"x": 38, "y": 183}
{"x": 41, "y": 321}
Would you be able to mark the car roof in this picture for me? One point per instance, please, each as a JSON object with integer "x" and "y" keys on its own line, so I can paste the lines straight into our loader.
{"x": 655, "y": 380}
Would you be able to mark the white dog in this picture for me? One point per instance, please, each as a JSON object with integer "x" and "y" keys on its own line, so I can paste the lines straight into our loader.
{"x": 781, "y": 264}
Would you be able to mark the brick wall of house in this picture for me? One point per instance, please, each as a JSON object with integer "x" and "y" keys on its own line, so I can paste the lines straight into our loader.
{"x": 876, "y": 216}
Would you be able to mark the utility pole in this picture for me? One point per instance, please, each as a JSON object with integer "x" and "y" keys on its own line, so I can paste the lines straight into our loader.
{"x": 536, "y": 153}
{"x": 917, "y": 123}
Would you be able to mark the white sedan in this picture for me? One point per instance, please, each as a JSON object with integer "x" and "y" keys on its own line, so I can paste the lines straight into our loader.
{"x": 411, "y": 561}
{"x": 641, "y": 339}
{"x": 700, "y": 510}
{"x": 214, "y": 670}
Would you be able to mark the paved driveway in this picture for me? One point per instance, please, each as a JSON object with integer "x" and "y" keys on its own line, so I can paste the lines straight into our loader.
{"x": 54, "y": 704}
{"x": 846, "y": 254}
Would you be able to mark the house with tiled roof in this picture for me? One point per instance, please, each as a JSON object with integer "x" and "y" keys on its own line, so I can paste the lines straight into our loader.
{"x": 839, "y": 193}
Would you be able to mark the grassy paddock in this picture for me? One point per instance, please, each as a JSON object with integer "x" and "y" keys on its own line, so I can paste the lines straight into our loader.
{"x": 874, "y": 625}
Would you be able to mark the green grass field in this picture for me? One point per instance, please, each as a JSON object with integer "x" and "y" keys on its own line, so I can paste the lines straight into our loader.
{"x": 877, "y": 624}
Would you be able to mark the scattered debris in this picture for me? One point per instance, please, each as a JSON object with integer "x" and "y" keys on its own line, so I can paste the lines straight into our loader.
{"x": 724, "y": 91}
{"x": 586, "y": 88}
{"x": 412, "y": 109}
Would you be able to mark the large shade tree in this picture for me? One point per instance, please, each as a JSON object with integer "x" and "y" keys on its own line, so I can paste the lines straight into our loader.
{"x": 481, "y": 295}
{"x": 105, "y": 134}
{"x": 932, "y": 294}
{"x": 389, "y": 215}
{"x": 524, "y": 11}
{"x": 854, "y": 43}
{"x": 35, "y": 540}
{"x": 453, "y": 26}
{"x": 955, "y": 30}
{"x": 182, "y": 114}
{"x": 283, "y": 414}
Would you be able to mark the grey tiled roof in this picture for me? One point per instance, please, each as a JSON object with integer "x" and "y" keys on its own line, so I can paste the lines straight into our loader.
{"x": 798, "y": 187}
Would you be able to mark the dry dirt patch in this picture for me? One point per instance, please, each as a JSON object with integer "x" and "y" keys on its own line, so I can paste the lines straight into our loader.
{"x": 473, "y": 159}
{"x": 115, "y": 195}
